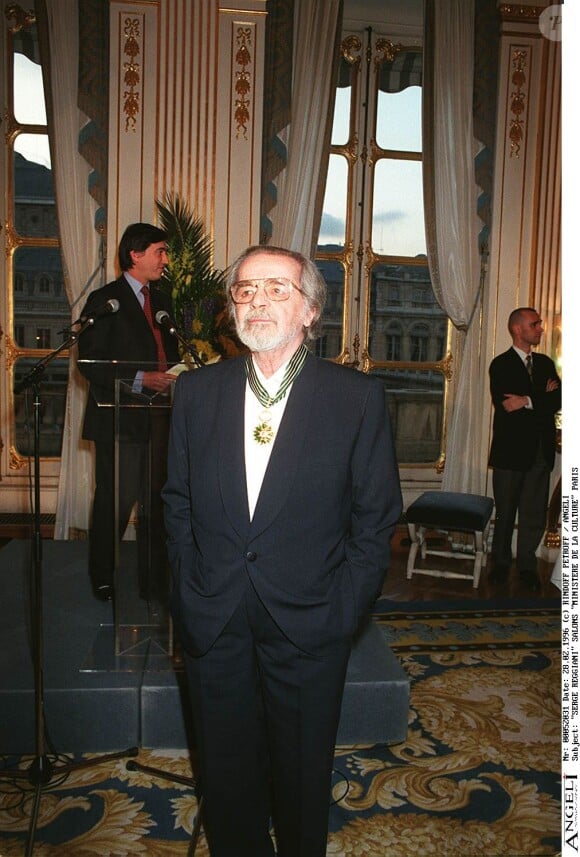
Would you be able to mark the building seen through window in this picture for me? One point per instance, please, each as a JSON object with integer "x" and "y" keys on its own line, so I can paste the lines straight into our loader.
{"x": 40, "y": 309}
{"x": 381, "y": 314}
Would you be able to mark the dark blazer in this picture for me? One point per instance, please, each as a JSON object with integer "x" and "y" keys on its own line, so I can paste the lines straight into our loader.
{"x": 516, "y": 435}
{"x": 317, "y": 548}
{"x": 124, "y": 336}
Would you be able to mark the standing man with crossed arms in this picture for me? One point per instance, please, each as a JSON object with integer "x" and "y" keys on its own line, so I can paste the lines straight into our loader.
{"x": 526, "y": 394}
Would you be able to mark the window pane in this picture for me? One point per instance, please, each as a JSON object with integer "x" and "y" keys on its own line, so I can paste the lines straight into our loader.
{"x": 333, "y": 225}
{"x": 40, "y": 300}
{"x": 29, "y": 107}
{"x": 53, "y": 387}
{"x": 399, "y": 120}
{"x": 398, "y": 222}
{"x": 330, "y": 342}
{"x": 35, "y": 148}
{"x": 34, "y": 201}
{"x": 405, "y": 321}
{"x": 415, "y": 401}
{"x": 341, "y": 119}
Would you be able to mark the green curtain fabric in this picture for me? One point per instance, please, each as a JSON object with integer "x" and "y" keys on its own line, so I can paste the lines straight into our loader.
{"x": 93, "y": 97}
{"x": 486, "y": 64}
{"x": 277, "y": 101}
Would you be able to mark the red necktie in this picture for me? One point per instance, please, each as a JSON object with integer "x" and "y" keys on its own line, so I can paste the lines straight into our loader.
{"x": 161, "y": 357}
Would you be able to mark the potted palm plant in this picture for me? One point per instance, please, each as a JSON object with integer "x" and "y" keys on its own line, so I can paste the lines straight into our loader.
{"x": 195, "y": 286}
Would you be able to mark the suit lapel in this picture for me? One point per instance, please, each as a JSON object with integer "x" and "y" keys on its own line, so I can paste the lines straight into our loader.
{"x": 231, "y": 458}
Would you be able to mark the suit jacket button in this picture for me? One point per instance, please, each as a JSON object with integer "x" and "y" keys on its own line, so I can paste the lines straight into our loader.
{"x": 251, "y": 556}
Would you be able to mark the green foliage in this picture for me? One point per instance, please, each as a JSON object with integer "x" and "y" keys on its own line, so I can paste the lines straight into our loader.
{"x": 196, "y": 288}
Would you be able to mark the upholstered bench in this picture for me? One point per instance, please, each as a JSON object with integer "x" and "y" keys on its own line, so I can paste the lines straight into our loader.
{"x": 449, "y": 512}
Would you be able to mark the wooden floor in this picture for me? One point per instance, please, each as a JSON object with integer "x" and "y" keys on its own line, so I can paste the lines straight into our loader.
{"x": 424, "y": 588}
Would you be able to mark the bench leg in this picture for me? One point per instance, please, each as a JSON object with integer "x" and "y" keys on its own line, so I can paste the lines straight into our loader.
{"x": 419, "y": 542}
{"x": 480, "y": 557}
{"x": 416, "y": 540}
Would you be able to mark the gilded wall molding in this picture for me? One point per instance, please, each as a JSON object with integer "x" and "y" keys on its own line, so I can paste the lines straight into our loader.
{"x": 519, "y": 62}
{"x": 16, "y": 461}
{"x": 10, "y": 350}
{"x": 243, "y": 85}
{"x": 12, "y": 240}
{"x": 131, "y": 72}
{"x": 386, "y": 51}
{"x": 517, "y": 12}
{"x": 350, "y": 49}
{"x": 22, "y": 19}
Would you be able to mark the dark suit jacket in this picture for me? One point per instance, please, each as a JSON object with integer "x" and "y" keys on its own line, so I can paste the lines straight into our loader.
{"x": 124, "y": 336}
{"x": 317, "y": 548}
{"x": 516, "y": 435}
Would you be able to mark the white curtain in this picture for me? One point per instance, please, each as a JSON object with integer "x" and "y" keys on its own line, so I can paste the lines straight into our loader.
{"x": 295, "y": 216}
{"x": 452, "y": 224}
{"x": 80, "y": 248}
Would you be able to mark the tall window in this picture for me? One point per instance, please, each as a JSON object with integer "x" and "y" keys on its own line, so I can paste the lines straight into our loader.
{"x": 382, "y": 316}
{"x": 37, "y": 307}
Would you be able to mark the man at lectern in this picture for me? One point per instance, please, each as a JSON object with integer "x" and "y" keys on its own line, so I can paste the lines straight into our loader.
{"x": 125, "y": 330}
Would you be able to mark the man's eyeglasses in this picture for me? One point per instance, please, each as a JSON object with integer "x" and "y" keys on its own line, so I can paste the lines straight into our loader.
{"x": 275, "y": 289}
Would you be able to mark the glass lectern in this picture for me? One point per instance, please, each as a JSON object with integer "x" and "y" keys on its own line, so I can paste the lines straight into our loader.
{"x": 138, "y": 420}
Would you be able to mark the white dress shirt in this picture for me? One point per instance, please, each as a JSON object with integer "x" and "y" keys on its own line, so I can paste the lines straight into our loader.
{"x": 523, "y": 355}
{"x": 258, "y": 454}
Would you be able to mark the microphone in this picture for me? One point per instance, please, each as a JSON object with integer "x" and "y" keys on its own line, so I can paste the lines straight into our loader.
{"x": 163, "y": 318}
{"x": 111, "y": 306}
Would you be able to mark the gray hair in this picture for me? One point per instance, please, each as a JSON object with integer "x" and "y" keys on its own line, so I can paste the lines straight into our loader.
{"x": 311, "y": 282}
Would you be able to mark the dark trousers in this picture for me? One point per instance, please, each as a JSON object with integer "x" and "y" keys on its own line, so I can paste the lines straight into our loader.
{"x": 524, "y": 492}
{"x": 102, "y": 535}
{"x": 266, "y": 716}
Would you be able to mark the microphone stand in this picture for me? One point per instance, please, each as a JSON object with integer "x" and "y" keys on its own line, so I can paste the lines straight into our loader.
{"x": 187, "y": 347}
{"x": 42, "y": 769}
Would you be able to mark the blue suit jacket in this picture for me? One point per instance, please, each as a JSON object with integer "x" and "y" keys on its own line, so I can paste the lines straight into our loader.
{"x": 317, "y": 548}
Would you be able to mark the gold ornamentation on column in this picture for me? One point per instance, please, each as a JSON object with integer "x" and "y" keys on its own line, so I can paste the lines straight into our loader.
{"x": 517, "y": 102}
{"x": 12, "y": 240}
{"x": 440, "y": 463}
{"x": 349, "y": 49}
{"x": 16, "y": 462}
{"x": 22, "y": 19}
{"x": 386, "y": 51}
{"x": 371, "y": 258}
{"x": 10, "y": 350}
{"x": 243, "y": 84}
{"x": 132, "y": 72}
{"x": 517, "y": 12}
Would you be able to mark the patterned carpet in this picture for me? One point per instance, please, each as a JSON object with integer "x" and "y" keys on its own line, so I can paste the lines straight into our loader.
{"x": 478, "y": 775}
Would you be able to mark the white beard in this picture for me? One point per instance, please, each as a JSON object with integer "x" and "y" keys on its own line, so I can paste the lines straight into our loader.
{"x": 266, "y": 338}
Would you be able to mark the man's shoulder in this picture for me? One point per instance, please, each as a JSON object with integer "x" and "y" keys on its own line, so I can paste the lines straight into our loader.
{"x": 505, "y": 360}
{"x": 540, "y": 357}
{"x": 508, "y": 355}
{"x": 345, "y": 383}
{"x": 103, "y": 293}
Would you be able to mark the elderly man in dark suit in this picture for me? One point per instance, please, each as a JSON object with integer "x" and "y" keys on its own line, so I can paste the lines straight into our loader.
{"x": 281, "y": 500}
{"x": 129, "y": 335}
{"x": 526, "y": 394}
